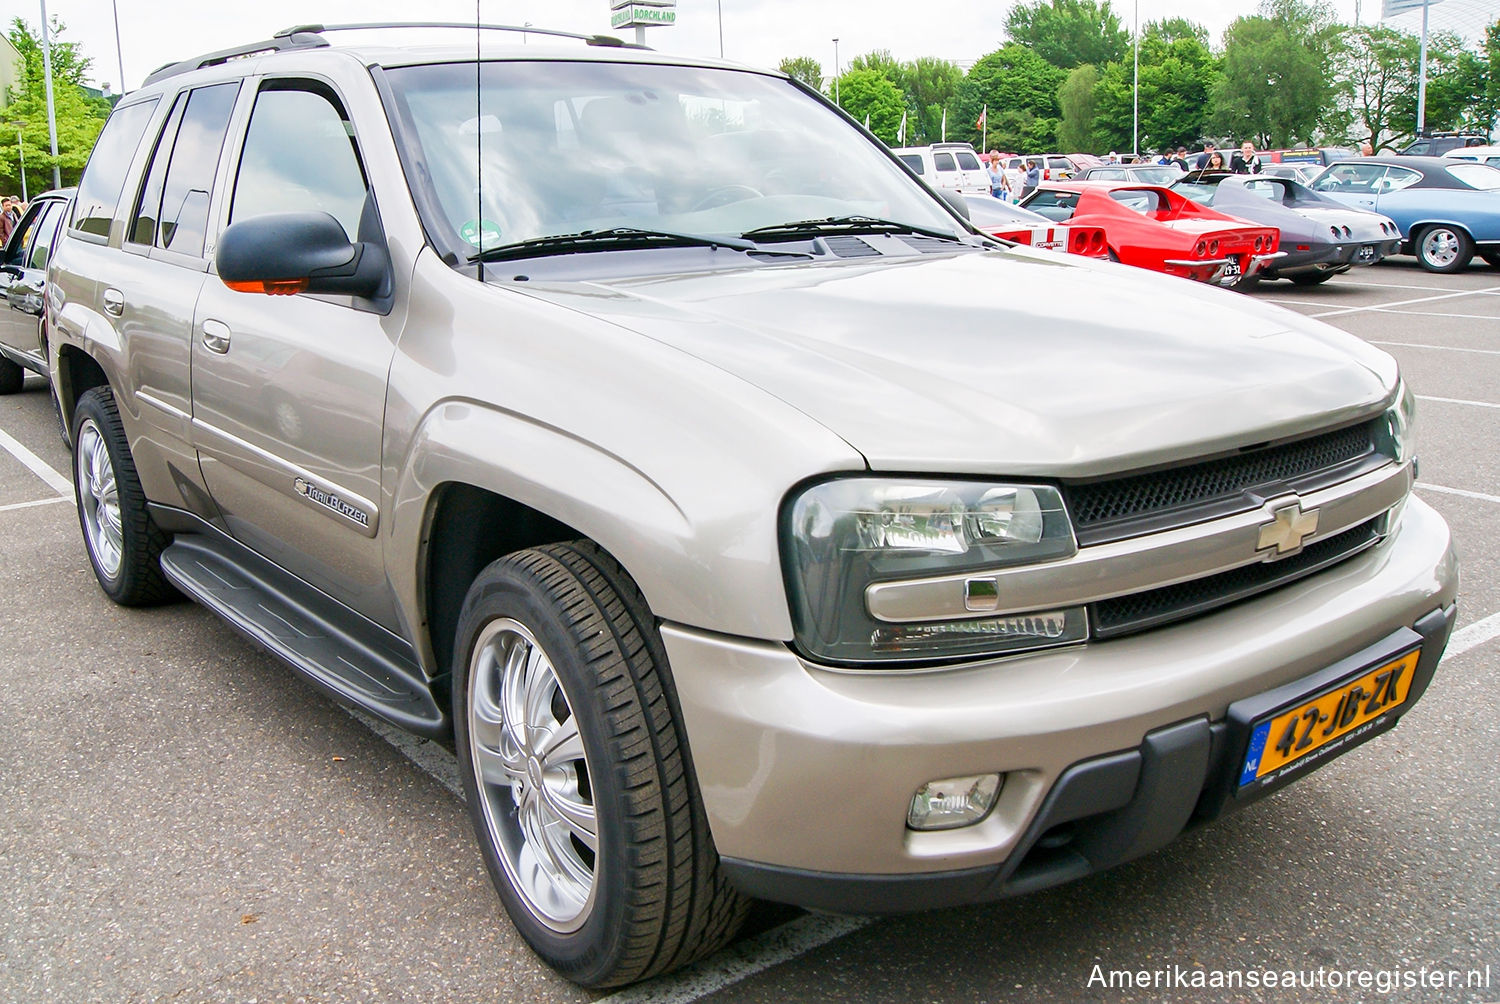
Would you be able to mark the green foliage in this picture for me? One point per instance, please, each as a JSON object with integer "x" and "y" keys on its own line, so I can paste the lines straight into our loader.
{"x": 931, "y": 85}
{"x": 1077, "y": 100}
{"x": 868, "y": 92}
{"x": 883, "y": 63}
{"x": 1020, "y": 88}
{"x": 1380, "y": 84}
{"x": 1178, "y": 75}
{"x": 1068, "y": 33}
{"x": 804, "y": 68}
{"x": 1278, "y": 83}
{"x": 79, "y": 117}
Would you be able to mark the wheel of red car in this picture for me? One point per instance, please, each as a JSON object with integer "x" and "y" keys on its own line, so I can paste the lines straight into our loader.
{"x": 576, "y": 773}
{"x": 1443, "y": 248}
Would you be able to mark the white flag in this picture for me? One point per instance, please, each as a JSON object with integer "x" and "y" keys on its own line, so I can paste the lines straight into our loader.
{"x": 901, "y": 136}
{"x": 945, "y": 125}
{"x": 867, "y": 120}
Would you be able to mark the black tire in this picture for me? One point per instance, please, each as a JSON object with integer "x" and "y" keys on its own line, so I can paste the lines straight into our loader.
{"x": 1443, "y": 248}
{"x": 1311, "y": 278}
{"x": 12, "y": 376}
{"x": 126, "y": 557}
{"x": 656, "y": 898}
{"x": 1491, "y": 258}
{"x": 1247, "y": 284}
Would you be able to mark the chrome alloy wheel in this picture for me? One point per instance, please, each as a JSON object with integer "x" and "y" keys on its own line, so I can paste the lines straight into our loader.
{"x": 1441, "y": 246}
{"x": 532, "y": 775}
{"x": 99, "y": 499}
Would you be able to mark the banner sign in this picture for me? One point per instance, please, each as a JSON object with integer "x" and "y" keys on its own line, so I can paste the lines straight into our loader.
{"x": 639, "y": 15}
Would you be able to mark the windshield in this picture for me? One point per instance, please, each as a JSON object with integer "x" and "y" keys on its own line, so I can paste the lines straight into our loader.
{"x": 567, "y": 147}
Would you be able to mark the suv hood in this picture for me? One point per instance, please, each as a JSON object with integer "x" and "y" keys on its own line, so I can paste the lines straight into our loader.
{"x": 1017, "y": 362}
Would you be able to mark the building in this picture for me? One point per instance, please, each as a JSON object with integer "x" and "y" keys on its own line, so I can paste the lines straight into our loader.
{"x": 11, "y": 67}
{"x": 1466, "y": 18}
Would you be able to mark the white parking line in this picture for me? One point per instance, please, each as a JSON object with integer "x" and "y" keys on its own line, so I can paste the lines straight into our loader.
{"x": 1402, "y": 303}
{"x": 778, "y": 945}
{"x": 1458, "y": 400}
{"x": 36, "y": 465}
{"x": 1473, "y": 636}
{"x": 32, "y": 505}
{"x": 1481, "y": 496}
{"x": 1441, "y": 348}
{"x": 1435, "y": 313}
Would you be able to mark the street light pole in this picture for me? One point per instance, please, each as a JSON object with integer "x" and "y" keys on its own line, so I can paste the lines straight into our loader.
{"x": 20, "y": 152}
{"x": 119, "y": 52}
{"x": 721, "y": 28}
{"x": 836, "y": 72}
{"x": 1135, "y": 115}
{"x": 51, "y": 113}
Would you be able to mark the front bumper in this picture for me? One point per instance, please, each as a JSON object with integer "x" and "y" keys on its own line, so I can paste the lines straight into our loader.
{"x": 806, "y": 773}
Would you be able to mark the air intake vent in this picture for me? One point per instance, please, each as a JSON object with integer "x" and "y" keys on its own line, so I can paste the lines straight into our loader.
{"x": 932, "y": 245}
{"x": 850, "y": 247}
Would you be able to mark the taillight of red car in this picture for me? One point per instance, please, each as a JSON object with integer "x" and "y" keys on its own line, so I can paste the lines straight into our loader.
{"x": 1088, "y": 241}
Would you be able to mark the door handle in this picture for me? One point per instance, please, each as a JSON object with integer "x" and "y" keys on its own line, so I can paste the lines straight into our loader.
{"x": 114, "y": 302}
{"x": 216, "y": 336}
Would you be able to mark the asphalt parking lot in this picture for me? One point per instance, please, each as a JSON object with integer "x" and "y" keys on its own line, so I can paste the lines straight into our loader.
{"x": 182, "y": 818}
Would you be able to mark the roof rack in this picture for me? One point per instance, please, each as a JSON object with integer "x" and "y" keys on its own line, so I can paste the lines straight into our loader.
{"x": 310, "y": 36}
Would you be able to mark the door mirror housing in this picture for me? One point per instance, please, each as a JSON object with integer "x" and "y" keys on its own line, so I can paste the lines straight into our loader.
{"x": 955, "y": 201}
{"x": 287, "y": 253}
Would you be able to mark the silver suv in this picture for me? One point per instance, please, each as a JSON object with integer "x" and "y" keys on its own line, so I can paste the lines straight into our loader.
{"x": 642, "y": 427}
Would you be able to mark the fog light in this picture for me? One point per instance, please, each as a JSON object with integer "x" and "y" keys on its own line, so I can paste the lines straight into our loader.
{"x": 953, "y": 802}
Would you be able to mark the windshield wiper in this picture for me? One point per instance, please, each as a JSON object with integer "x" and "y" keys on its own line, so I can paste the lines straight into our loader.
{"x": 612, "y": 239}
{"x": 848, "y": 224}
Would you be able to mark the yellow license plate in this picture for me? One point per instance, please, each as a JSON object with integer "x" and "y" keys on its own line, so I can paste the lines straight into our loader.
{"x": 1288, "y": 737}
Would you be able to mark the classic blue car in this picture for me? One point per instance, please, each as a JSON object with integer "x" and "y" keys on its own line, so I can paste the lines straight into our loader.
{"x": 1447, "y": 209}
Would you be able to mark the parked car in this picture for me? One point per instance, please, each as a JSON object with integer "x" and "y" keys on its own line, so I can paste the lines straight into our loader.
{"x": 1448, "y": 210}
{"x": 1303, "y": 173}
{"x": 752, "y": 528}
{"x": 1153, "y": 227}
{"x": 951, "y": 166}
{"x": 1436, "y": 144}
{"x": 1151, "y": 174}
{"x": 23, "y": 281}
{"x": 1057, "y": 167}
{"x": 1479, "y": 154}
{"x": 1316, "y": 156}
{"x": 1320, "y": 237}
{"x": 1010, "y": 222}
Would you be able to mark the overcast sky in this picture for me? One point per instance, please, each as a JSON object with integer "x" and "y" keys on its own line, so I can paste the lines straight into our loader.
{"x": 759, "y": 32}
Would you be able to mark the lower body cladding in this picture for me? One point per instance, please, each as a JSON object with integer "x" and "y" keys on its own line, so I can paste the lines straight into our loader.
{"x": 1105, "y": 751}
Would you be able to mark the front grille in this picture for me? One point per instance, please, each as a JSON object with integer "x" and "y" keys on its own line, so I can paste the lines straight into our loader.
{"x": 1139, "y": 611}
{"x": 1141, "y": 503}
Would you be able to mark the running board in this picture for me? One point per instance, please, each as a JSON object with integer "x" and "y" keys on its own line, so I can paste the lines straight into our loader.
{"x": 353, "y": 659}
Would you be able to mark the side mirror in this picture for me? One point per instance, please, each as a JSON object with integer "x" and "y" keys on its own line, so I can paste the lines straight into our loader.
{"x": 287, "y": 253}
{"x": 955, "y": 201}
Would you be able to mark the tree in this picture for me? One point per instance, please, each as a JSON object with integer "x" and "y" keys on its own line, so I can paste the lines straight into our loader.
{"x": 1068, "y": 33}
{"x": 79, "y": 117}
{"x": 931, "y": 86}
{"x": 1278, "y": 83}
{"x": 1178, "y": 75}
{"x": 1380, "y": 86}
{"x": 804, "y": 68}
{"x": 1076, "y": 99}
{"x": 1019, "y": 88}
{"x": 883, "y": 63}
{"x": 866, "y": 92}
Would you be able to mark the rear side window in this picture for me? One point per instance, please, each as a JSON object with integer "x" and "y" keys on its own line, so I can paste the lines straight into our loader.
{"x": 968, "y": 162}
{"x": 173, "y": 210}
{"x": 1480, "y": 176}
{"x": 1056, "y": 206}
{"x": 25, "y": 230}
{"x": 300, "y": 156}
{"x": 104, "y": 178}
{"x": 46, "y": 237}
{"x": 943, "y": 162}
{"x": 1059, "y": 163}
{"x": 1141, "y": 200}
{"x": 913, "y": 161}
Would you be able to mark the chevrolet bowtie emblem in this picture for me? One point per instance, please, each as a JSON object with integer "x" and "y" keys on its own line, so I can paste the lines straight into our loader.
{"x": 1288, "y": 528}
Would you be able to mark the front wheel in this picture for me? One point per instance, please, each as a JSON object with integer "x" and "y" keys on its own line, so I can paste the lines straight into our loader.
{"x": 577, "y": 778}
{"x": 1443, "y": 248}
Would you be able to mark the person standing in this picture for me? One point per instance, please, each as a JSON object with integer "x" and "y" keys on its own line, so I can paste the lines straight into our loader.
{"x": 1181, "y": 159}
{"x": 1245, "y": 160}
{"x": 999, "y": 183}
{"x": 1208, "y": 151}
{"x": 8, "y": 219}
{"x": 1033, "y": 178}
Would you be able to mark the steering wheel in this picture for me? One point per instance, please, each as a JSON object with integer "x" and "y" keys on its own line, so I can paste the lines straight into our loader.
{"x": 724, "y": 195}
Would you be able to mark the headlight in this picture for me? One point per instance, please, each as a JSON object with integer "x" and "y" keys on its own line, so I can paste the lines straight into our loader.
{"x": 1399, "y": 426}
{"x": 842, "y": 536}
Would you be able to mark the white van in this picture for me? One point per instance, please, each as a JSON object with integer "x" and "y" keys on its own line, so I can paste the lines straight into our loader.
{"x": 954, "y": 166}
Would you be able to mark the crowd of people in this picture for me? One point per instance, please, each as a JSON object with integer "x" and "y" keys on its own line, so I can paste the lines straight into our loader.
{"x": 1244, "y": 160}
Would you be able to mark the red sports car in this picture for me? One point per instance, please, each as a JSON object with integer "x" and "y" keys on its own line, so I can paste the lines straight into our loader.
{"x": 1010, "y": 222}
{"x": 1156, "y": 228}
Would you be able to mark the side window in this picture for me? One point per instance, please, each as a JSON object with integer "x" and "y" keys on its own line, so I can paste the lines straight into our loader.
{"x": 913, "y": 161}
{"x": 300, "y": 156}
{"x": 1397, "y": 178}
{"x": 104, "y": 178}
{"x": 21, "y": 239}
{"x": 172, "y": 212}
{"x": 1056, "y": 206}
{"x": 968, "y": 161}
{"x": 1350, "y": 178}
{"x": 1142, "y": 201}
{"x": 46, "y": 237}
{"x": 943, "y": 162}
{"x": 1419, "y": 149}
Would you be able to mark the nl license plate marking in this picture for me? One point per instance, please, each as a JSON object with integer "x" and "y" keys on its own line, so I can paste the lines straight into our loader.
{"x": 1291, "y": 735}
{"x": 1231, "y": 271}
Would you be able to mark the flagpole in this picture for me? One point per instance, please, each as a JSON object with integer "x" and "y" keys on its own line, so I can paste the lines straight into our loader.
{"x": 984, "y": 135}
{"x": 1422, "y": 75}
{"x": 945, "y": 125}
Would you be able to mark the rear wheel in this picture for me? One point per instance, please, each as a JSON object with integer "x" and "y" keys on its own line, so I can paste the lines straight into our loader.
{"x": 577, "y": 778}
{"x": 1311, "y": 278}
{"x": 12, "y": 376}
{"x": 1443, "y": 248}
{"x": 123, "y": 542}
